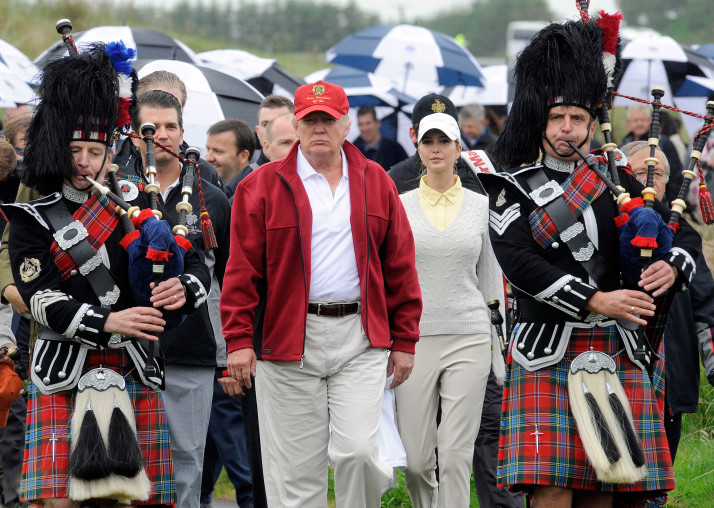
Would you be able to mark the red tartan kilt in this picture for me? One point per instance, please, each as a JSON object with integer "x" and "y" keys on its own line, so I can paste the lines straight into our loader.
{"x": 46, "y": 476}
{"x": 541, "y": 398}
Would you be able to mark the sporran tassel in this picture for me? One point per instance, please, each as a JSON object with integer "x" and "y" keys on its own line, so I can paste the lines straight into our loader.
{"x": 88, "y": 459}
{"x": 624, "y": 417}
{"x": 605, "y": 436}
{"x": 124, "y": 450}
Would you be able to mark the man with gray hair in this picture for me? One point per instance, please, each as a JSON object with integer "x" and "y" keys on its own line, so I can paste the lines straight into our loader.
{"x": 639, "y": 118}
{"x": 474, "y": 128}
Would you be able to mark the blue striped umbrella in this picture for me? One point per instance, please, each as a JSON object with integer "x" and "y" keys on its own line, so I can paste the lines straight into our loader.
{"x": 409, "y": 54}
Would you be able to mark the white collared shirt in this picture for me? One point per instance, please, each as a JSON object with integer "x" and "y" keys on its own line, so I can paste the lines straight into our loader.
{"x": 334, "y": 274}
{"x": 165, "y": 192}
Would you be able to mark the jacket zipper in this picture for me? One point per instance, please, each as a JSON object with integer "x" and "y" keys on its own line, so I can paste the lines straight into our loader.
{"x": 302, "y": 258}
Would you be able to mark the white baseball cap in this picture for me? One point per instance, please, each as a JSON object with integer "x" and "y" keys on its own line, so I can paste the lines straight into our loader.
{"x": 441, "y": 122}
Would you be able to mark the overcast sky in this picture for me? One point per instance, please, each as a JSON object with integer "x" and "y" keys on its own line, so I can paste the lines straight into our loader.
{"x": 391, "y": 11}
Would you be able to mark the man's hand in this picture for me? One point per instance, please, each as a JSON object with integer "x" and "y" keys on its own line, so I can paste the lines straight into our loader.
{"x": 401, "y": 364}
{"x": 658, "y": 277}
{"x": 169, "y": 294}
{"x": 231, "y": 387}
{"x": 4, "y": 358}
{"x": 241, "y": 365}
{"x": 12, "y": 295}
{"x": 136, "y": 322}
{"x": 623, "y": 303}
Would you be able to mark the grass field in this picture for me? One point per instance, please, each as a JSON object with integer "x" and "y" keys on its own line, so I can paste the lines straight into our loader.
{"x": 694, "y": 467}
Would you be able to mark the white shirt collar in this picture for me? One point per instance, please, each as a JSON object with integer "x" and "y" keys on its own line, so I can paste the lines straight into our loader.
{"x": 305, "y": 169}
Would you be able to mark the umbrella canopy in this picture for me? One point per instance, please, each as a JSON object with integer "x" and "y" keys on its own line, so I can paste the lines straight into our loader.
{"x": 364, "y": 88}
{"x": 706, "y": 50}
{"x": 15, "y": 60}
{"x": 212, "y": 96}
{"x": 409, "y": 54}
{"x": 13, "y": 89}
{"x": 265, "y": 74}
{"x": 495, "y": 93}
{"x": 149, "y": 44}
{"x": 658, "y": 61}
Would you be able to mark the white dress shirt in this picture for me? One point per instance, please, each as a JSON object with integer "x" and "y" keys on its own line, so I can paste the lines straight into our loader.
{"x": 334, "y": 274}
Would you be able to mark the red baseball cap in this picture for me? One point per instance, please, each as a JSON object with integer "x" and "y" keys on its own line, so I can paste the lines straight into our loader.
{"x": 321, "y": 96}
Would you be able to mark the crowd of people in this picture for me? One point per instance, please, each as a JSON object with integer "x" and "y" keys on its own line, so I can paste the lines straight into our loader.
{"x": 315, "y": 302}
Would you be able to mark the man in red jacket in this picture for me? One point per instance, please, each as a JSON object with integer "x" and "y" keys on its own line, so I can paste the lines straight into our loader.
{"x": 319, "y": 284}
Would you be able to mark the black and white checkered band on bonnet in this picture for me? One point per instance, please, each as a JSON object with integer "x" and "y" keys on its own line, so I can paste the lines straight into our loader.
{"x": 562, "y": 66}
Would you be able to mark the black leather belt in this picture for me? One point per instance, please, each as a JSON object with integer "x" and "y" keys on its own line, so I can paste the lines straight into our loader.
{"x": 333, "y": 309}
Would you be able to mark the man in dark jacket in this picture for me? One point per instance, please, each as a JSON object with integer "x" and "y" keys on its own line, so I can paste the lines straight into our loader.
{"x": 169, "y": 83}
{"x": 372, "y": 144}
{"x": 190, "y": 349}
{"x": 406, "y": 174}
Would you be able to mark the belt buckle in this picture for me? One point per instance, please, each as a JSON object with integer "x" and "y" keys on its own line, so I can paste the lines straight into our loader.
{"x": 341, "y": 308}
{"x": 319, "y": 309}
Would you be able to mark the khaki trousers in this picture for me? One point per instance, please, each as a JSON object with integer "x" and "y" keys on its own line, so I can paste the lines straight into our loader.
{"x": 339, "y": 387}
{"x": 453, "y": 369}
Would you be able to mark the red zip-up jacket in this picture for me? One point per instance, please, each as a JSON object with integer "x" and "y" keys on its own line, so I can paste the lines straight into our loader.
{"x": 267, "y": 281}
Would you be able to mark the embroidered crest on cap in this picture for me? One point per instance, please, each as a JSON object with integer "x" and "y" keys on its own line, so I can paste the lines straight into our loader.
{"x": 30, "y": 269}
{"x": 438, "y": 106}
{"x": 318, "y": 88}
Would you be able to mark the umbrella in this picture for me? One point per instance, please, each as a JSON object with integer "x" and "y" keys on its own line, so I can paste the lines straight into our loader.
{"x": 13, "y": 89}
{"x": 658, "y": 61}
{"x": 409, "y": 54}
{"x": 149, "y": 44}
{"x": 495, "y": 93}
{"x": 366, "y": 89}
{"x": 18, "y": 64}
{"x": 706, "y": 50}
{"x": 212, "y": 96}
{"x": 265, "y": 74}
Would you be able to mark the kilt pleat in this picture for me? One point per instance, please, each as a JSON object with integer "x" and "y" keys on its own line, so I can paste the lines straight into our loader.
{"x": 535, "y": 405}
{"x": 45, "y": 471}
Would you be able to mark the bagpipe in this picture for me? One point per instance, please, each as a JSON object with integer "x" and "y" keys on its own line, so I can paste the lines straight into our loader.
{"x": 106, "y": 460}
{"x": 598, "y": 402}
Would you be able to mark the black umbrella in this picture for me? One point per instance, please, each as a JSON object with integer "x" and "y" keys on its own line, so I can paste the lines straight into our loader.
{"x": 149, "y": 44}
{"x": 265, "y": 74}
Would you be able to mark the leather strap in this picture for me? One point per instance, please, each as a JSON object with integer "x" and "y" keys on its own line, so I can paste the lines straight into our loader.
{"x": 81, "y": 252}
{"x": 571, "y": 232}
{"x": 333, "y": 309}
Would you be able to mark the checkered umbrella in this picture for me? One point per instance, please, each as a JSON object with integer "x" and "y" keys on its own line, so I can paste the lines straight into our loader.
{"x": 265, "y": 74}
{"x": 409, "y": 54}
{"x": 149, "y": 44}
{"x": 212, "y": 96}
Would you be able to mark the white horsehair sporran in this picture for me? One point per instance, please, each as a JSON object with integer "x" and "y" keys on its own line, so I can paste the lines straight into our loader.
{"x": 604, "y": 419}
{"x": 105, "y": 459}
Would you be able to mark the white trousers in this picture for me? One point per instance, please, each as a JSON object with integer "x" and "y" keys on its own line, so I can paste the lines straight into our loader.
{"x": 339, "y": 386}
{"x": 453, "y": 368}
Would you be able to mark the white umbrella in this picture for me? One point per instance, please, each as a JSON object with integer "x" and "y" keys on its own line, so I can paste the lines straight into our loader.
{"x": 658, "y": 60}
{"x": 149, "y": 44}
{"x": 13, "y": 89}
{"x": 495, "y": 93}
{"x": 265, "y": 74}
{"x": 20, "y": 66}
{"x": 211, "y": 96}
